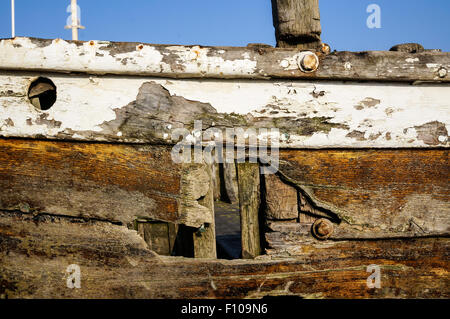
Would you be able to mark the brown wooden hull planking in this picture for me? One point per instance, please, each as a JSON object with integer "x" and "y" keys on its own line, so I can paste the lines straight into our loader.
{"x": 49, "y": 220}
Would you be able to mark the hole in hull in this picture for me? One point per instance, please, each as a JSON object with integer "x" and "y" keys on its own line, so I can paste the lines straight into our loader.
{"x": 42, "y": 93}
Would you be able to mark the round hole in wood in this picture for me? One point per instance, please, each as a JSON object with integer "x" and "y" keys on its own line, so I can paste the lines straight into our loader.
{"x": 42, "y": 93}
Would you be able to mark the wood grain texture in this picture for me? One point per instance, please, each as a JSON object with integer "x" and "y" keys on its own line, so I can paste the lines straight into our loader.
{"x": 374, "y": 193}
{"x": 297, "y": 23}
{"x": 281, "y": 199}
{"x": 118, "y": 183}
{"x": 159, "y": 236}
{"x": 170, "y": 61}
{"x": 116, "y": 263}
{"x": 230, "y": 181}
{"x": 249, "y": 204}
{"x": 204, "y": 241}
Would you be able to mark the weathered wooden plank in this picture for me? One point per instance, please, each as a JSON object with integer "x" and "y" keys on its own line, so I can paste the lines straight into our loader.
{"x": 216, "y": 181}
{"x": 118, "y": 183}
{"x": 230, "y": 181}
{"x": 102, "y": 57}
{"x": 297, "y": 23}
{"x": 204, "y": 239}
{"x": 307, "y": 115}
{"x": 281, "y": 199}
{"x": 249, "y": 204}
{"x": 376, "y": 193}
{"x": 116, "y": 263}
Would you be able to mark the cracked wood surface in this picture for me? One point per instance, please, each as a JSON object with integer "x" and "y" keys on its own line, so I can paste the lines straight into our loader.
{"x": 156, "y": 111}
{"x": 373, "y": 193}
{"x": 116, "y": 263}
{"x": 119, "y": 183}
{"x": 175, "y": 61}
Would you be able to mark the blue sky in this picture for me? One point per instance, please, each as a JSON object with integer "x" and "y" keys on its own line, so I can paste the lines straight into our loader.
{"x": 231, "y": 22}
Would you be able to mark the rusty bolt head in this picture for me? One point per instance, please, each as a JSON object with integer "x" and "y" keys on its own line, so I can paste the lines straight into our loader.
{"x": 308, "y": 61}
{"x": 325, "y": 48}
{"x": 322, "y": 228}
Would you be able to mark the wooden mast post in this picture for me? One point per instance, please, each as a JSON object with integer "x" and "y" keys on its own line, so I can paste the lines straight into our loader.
{"x": 297, "y": 23}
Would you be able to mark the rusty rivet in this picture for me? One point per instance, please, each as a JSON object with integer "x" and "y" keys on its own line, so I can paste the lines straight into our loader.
{"x": 322, "y": 228}
{"x": 442, "y": 72}
{"x": 308, "y": 61}
{"x": 325, "y": 48}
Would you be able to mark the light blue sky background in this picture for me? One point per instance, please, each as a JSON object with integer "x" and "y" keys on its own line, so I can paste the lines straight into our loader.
{"x": 231, "y": 22}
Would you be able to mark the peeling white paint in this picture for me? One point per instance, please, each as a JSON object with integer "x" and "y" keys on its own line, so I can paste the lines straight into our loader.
{"x": 84, "y": 106}
{"x": 103, "y": 57}
{"x": 432, "y": 65}
{"x": 284, "y": 63}
{"x": 97, "y": 57}
{"x": 291, "y": 63}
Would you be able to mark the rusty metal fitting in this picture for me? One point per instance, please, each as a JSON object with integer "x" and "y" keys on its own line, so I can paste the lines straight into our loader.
{"x": 325, "y": 48}
{"x": 308, "y": 61}
{"x": 322, "y": 228}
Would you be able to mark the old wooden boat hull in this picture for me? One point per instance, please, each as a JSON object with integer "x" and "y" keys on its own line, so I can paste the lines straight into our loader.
{"x": 361, "y": 172}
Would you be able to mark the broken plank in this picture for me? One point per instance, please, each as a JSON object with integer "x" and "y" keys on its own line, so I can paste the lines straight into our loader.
{"x": 118, "y": 183}
{"x": 204, "y": 239}
{"x": 115, "y": 262}
{"x": 374, "y": 193}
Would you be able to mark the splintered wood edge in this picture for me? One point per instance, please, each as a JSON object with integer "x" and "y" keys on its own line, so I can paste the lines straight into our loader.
{"x": 116, "y": 263}
{"x": 253, "y": 62}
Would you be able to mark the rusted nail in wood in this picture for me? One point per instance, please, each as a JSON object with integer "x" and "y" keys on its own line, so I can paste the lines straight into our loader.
{"x": 322, "y": 228}
{"x": 325, "y": 48}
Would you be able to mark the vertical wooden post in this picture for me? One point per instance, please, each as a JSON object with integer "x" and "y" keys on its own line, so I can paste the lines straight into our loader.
{"x": 297, "y": 23}
{"x": 216, "y": 181}
{"x": 249, "y": 202}
{"x": 229, "y": 174}
{"x": 205, "y": 239}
